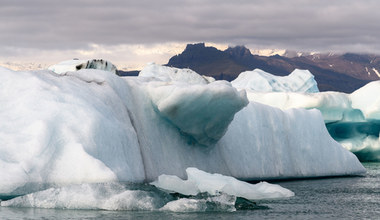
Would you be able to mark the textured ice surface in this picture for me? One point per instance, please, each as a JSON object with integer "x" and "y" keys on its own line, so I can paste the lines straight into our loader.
{"x": 334, "y": 106}
{"x": 214, "y": 193}
{"x": 361, "y": 138}
{"x": 93, "y": 126}
{"x": 74, "y": 65}
{"x": 261, "y": 81}
{"x": 65, "y": 129}
{"x": 171, "y": 74}
{"x": 201, "y": 111}
{"x": 367, "y": 99}
{"x": 199, "y": 108}
{"x": 352, "y": 119}
{"x": 221, "y": 202}
{"x": 119, "y": 196}
{"x": 107, "y": 196}
{"x": 199, "y": 181}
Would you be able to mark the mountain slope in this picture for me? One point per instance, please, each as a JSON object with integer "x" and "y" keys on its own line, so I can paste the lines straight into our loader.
{"x": 344, "y": 73}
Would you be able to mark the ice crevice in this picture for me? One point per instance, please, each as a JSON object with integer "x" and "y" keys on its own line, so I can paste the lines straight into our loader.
{"x": 131, "y": 117}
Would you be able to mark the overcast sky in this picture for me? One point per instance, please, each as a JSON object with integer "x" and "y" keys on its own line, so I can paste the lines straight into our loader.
{"x": 131, "y": 33}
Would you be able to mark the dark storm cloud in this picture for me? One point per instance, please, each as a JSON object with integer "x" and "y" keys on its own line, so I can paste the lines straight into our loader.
{"x": 295, "y": 24}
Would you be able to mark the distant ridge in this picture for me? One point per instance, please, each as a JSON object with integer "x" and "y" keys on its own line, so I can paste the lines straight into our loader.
{"x": 342, "y": 72}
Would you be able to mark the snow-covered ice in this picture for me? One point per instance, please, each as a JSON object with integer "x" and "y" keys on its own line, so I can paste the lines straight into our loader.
{"x": 105, "y": 196}
{"x": 261, "y": 81}
{"x": 76, "y": 64}
{"x": 199, "y": 181}
{"x": 93, "y": 126}
{"x": 352, "y": 119}
{"x": 334, "y": 106}
{"x": 172, "y": 74}
{"x": 367, "y": 100}
{"x": 215, "y": 192}
{"x": 196, "y": 107}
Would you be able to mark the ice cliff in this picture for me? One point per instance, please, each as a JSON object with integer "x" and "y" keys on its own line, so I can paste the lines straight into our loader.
{"x": 93, "y": 126}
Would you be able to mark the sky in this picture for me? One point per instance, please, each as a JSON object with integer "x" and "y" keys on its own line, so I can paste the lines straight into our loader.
{"x": 133, "y": 33}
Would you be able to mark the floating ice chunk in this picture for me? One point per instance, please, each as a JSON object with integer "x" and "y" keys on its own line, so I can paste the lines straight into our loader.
{"x": 199, "y": 182}
{"x": 75, "y": 64}
{"x": 352, "y": 119}
{"x": 261, "y": 81}
{"x": 221, "y": 202}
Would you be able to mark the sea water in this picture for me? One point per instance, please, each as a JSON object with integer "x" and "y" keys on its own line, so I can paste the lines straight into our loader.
{"x": 326, "y": 198}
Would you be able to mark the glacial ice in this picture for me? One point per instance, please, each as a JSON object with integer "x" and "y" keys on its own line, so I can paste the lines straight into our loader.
{"x": 93, "y": 126}
{"x": 352, "y": 119}
{"x": 120, "y": 196}
{"x": 65, "y": 129}
{"x": 260, "y": 81}
{"x": 105, "y": 196}
{"x": 76, "y": 64}
{"x": 199, "y": 181}
{"x": 215, "y": 192}
{"x": 334, "y": 106}
{"x": 172, "y": 74}
{"x": 221, "y": 202}
{"x": 190, "y": 96}
{"x": 367, "y": 99}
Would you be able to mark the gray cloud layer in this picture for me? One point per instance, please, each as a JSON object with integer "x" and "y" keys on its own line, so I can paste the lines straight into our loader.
{"x": 323, "y": 25}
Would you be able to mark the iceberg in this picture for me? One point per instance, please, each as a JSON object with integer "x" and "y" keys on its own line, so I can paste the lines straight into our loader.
{"x": 367, "y": 100}
{"x": 334, "y": 106}
{"x": 94, "y": 196}
{"x": 261, "y": 81}
{"x": 172, "y": 74}
{"x": 214, "y": 184}
{"x": 76, "y": 64}
{"x": 351, "y": 119}
{"x": 90, "y": 126}
{"x": 215, "y": 193}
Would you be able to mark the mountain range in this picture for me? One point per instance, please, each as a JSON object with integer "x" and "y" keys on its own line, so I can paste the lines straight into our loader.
{"x": 333, "y": 72}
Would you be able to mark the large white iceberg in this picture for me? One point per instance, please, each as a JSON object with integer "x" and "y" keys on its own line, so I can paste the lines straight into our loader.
{"x": 261, "y": 81}
{"x": 367, "y": 99}
{"x": 93, "y": 126}
{"x": 352, "y": 119}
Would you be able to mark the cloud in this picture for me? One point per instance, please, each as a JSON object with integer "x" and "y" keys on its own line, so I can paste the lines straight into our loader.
{"x": 324, "y": 25}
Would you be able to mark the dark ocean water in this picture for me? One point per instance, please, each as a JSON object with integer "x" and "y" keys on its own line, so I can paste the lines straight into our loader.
{"x": 329, "y": 198}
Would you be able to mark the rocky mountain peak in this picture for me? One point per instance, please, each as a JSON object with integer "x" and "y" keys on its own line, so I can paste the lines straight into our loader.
{"x": 238, "y": 51}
